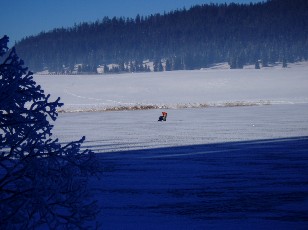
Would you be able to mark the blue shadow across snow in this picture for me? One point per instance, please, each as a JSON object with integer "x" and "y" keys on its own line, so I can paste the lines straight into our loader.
{"x": 261, "y": 184}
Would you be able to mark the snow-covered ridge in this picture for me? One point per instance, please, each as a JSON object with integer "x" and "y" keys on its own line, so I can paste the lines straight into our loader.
{"x": 179, "y": 89}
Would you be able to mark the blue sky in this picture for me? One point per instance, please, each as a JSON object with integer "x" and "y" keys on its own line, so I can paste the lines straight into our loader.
{"x": 20, "y": 18}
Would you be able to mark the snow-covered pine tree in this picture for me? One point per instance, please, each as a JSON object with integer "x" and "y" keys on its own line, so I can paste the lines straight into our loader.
{"x": 42, "y": 183}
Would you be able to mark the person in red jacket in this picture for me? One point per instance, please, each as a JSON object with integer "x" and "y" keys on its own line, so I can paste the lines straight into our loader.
{"x": 163, "y": 117}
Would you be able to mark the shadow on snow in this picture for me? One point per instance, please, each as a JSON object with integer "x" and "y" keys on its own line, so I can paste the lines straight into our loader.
{"x": 260, "y": 184}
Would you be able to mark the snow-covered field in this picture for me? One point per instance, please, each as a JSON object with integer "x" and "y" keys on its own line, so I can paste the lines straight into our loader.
{"x": 181, "y": 89}
{"x": 233, "y": 153}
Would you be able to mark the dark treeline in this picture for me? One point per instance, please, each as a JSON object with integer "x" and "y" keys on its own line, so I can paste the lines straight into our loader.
{"x": 240, "y": 34}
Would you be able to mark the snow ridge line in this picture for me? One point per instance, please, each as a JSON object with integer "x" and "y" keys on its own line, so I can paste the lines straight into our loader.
{"x": 150, "y": 107}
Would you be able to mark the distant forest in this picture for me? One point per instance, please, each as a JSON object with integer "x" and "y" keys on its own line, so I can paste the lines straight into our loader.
{"x": 240, "y": 34}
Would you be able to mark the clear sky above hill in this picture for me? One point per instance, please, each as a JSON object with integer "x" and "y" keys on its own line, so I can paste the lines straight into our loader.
{"x": 20, "y": 18}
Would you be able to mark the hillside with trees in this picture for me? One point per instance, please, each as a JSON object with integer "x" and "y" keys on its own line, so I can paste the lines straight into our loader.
{"x": 240, "y": 34}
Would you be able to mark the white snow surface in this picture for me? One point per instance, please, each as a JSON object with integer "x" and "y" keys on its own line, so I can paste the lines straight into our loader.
{"x": 180, "y": 89}
{"x": 204, "y": 106}
{"x": 214, "y": 164}
{"x": 131, "y": 130}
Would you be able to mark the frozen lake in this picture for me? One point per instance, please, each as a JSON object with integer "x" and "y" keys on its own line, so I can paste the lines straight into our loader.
{"x": 128, "y": 130}
{"x": 212, "y": 165}
{"x": 214, "y": 168}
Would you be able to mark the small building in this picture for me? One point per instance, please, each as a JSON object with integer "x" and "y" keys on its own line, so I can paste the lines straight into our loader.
{"x": 100, "y": 69}
{"x": 77, "y": 68}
